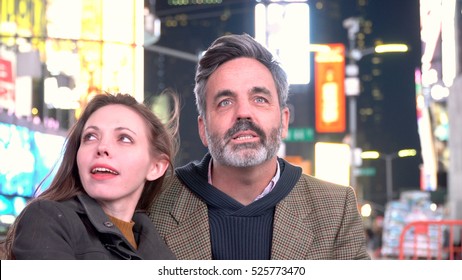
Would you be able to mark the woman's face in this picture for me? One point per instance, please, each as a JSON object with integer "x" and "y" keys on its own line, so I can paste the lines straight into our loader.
{"x": 114, "y": 158}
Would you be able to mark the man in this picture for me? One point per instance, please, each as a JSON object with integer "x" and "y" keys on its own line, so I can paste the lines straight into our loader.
{"x": 242, "y": 201}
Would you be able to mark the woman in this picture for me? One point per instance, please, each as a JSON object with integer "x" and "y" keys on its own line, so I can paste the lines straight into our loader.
{"x": 115, "y": 160}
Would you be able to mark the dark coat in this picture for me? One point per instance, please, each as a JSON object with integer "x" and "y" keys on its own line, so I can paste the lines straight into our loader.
{"x": 79, "y": 229}
{"x": 316, "y": 220}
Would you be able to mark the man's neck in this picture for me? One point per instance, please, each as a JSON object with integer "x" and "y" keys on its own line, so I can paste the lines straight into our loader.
{"x": 243, "y": 184}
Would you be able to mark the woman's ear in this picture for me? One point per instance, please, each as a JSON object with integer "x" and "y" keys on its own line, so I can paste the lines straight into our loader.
{"x": 158, "y": 167}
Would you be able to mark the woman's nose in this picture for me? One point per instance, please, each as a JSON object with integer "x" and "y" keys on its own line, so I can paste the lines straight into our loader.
{"x": 103, "y": 149}
{"x": 103, "y": 152}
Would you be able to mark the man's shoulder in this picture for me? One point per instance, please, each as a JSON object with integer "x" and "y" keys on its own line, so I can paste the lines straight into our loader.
{"x": 315, "y": 182}
{"x": 318, "y": 187}
{"x": 173, "y": 190}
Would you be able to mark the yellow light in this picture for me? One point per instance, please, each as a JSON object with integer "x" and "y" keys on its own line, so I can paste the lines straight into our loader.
{"x": 370, "y": 155}
{"x": 407, "y": 153}
{"x": 391, "y": 48}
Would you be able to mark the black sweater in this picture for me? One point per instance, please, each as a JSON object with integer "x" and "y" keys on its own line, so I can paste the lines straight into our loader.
{"x": 238, "y": 231}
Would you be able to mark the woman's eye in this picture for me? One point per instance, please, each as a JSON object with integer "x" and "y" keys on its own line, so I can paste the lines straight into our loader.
{"x": 126, "y": 139}
{"x": 88, "y": 137}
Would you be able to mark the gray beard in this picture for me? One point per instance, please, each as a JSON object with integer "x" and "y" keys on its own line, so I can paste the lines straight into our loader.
{"x": 246, "y": 154}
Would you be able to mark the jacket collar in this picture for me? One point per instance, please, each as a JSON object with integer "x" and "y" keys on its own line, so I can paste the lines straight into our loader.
{"x": 193, "y": 224}
{"x": 150, "y": 244}
{"x": 292, "y": 234}
{"x": 96, "y": 215}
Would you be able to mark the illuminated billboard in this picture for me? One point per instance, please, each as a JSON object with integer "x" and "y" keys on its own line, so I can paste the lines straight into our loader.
{"x": 329, "y": 90}
{"x": 26, "y": 158}
{"x": 86, "y": 46}
{"x": 284, "y": 28}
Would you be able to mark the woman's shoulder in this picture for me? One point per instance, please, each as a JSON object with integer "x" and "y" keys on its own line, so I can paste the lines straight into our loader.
{"x": 40, "y": 206}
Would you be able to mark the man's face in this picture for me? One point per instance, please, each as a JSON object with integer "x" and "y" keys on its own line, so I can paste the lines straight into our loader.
{"x": 244, "y": 124}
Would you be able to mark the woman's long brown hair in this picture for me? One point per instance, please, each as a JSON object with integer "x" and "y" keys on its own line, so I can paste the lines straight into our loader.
{"x": 66, "y": 183}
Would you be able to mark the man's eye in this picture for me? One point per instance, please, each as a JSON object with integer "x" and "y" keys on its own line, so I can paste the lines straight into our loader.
{"x": 223, "y": 103}
{"x": 260, "y": 100}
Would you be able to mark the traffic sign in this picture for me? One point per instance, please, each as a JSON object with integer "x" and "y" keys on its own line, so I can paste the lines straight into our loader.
{"x": 365, "y": 171}
{"x": 300, "y": 134}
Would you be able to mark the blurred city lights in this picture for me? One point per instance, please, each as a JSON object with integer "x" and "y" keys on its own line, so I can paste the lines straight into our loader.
{"x": 366, "y": 210}
{"x": 391, "y": 48}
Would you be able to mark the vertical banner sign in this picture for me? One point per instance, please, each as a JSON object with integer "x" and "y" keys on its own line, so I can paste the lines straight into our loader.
{"x": 329, "y": 90}
{"x": 7, "y": 94}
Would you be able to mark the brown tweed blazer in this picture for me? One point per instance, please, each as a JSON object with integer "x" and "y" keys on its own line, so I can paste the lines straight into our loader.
{"x": 317, "y": 220}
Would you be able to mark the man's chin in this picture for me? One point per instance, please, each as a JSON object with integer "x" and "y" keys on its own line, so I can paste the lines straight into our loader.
{"x": 245, "y": 158}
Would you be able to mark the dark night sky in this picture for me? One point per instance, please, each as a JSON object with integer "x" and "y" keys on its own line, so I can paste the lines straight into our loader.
{"x": 393, "y": 21}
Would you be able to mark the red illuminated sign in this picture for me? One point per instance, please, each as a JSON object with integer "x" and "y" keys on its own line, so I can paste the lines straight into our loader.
{"x": 329, "y": 90}
{"x": 6, "y": 71}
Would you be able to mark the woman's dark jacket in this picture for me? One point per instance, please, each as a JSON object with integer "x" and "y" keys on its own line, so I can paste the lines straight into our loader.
{"x": 79, "y": 229}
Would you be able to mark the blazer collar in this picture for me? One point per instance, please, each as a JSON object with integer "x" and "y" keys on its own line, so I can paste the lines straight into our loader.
{"x": 292, "y": 235}
{"x": 191, "y": 239}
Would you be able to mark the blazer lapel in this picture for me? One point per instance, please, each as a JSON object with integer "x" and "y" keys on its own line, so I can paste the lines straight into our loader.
{"x": 292, "y": 235}
{"x": 191, "y": 238}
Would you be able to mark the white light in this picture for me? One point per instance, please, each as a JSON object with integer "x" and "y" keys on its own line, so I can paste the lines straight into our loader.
{"x": 284, "y": 30}
{"x": 448, "y": 42}
{"x": 439, "y": 92}
{"x": 332, "y": 162}
{"x": 366, "y": 210}
{"x": 7, "y": 219}
{"x": 319, "y": 48}
{"x": 352, "y": 86}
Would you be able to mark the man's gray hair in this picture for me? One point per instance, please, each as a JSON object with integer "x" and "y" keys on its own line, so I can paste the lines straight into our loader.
{"x": 229, "y": 47}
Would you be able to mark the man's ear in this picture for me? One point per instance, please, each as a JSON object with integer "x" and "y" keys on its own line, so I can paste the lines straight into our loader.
{"x": 285, "y": 117}
{"x": 201, "y": 127}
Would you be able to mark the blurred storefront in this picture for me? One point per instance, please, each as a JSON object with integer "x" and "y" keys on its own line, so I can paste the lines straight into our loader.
{"x": 436, "y": 83}
{"x": 62, "y": 52}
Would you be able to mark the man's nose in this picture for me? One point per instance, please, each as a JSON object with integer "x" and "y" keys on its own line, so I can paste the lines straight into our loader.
{"x": 243, "y": 110}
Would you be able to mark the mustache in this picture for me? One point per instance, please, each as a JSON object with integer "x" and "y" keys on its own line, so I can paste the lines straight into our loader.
{"x": 243, "y": 125}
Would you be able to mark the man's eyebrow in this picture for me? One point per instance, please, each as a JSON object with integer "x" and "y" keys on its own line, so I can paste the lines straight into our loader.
{"x": 224, "y": 93}
{"x": 260, "y": 90}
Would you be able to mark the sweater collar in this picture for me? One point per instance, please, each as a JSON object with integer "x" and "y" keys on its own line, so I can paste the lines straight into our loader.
{"x": 195, "y": 177}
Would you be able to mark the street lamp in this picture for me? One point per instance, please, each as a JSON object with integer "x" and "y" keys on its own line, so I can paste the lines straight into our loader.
{"x": 352, "y": 83}
{"x": 388, "y": 165}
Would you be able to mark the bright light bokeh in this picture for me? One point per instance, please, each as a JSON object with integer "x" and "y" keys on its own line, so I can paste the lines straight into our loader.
{"x": 391, "y": 48}
{"x": 332, "y": 162}
{"x": 285, "y": 30}
{"x": 366, "y": 210}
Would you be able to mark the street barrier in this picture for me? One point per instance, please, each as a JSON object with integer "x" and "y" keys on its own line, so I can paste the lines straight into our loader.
{"x": 432, "y": 240}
